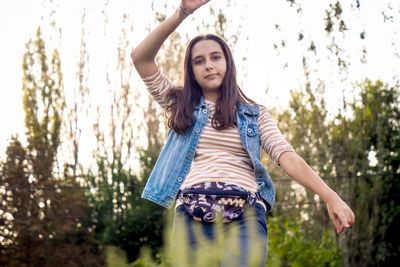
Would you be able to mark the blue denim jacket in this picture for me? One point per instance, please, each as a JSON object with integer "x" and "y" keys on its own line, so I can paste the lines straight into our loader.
{"x": 175, "y": 159}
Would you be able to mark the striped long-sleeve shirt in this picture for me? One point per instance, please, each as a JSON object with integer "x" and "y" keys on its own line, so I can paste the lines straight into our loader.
{"x": 220, "y": 155}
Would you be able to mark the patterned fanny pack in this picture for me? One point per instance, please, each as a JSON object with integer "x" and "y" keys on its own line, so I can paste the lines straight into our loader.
{"x": 206, "y": 202}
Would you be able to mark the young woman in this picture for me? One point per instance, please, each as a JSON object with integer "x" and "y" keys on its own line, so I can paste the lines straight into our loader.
{"x": 211, "y": 164}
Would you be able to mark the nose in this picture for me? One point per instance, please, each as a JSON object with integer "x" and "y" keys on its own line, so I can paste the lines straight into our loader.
{"x": 209, "y": 65}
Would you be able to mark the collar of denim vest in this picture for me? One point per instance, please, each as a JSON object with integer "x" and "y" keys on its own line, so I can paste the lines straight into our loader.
{"x": 201, "y": 103}
{"x": 248, "y": 109}
{"x": 243, "y": 108}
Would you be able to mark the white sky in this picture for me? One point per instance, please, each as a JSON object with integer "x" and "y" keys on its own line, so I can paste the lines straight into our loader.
{"x": 19, "y": 20}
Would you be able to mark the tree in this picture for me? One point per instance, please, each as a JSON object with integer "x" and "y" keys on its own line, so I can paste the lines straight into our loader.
{"x": 344, "y": 145}
{"x": 118, "y": 215}
{"x": 37, "y": 195}
{"x": 361, "y": 145}
{"x": 371, "y": 149}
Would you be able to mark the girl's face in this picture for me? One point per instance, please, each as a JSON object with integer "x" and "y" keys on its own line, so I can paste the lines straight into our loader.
{"x": 209, "y": 67}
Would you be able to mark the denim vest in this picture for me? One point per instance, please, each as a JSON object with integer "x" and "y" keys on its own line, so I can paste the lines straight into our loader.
{"x": 175, "y": 159}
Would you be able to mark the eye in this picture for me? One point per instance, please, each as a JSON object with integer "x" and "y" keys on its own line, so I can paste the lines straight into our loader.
{"x": 216, "y": 57}
{"x": 198, "y": 61}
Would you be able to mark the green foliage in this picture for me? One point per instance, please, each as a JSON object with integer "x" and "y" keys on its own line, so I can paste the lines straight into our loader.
{"x": 116, "y": 257}
{"x": 147, "y": 260}
{"x": 121, "y": 217}
{"x": 176, "y": 252}
{"x": 290, "y": 246}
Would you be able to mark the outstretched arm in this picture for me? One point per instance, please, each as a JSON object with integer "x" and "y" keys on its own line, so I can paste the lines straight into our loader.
{"x": 143, "y": 56}
{"x": 339, "y": 212}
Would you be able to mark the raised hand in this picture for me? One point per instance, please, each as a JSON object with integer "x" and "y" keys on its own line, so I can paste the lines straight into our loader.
{"x": 189, "y": 6}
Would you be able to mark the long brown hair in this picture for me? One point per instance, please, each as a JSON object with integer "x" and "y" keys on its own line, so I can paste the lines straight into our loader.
{"x": 183, "y": 100}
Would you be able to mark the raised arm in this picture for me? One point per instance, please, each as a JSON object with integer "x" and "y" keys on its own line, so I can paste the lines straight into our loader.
{"x": 143, "y": 56}
{"x": 339, "y": 212}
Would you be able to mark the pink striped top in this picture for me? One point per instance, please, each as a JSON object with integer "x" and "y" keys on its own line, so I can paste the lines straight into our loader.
{"x": 220, "y": 155}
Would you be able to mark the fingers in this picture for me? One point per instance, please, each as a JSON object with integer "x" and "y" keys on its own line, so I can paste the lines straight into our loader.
{"x": 203, "y": 2}
{"x": 192, "y": 5}
{"x": 343, "y": 220}
{"x": 342, "y": 217}
{"x": 352, "y": 217}
{"x": 336, "y": 223}
{"x": 349, "y": 218}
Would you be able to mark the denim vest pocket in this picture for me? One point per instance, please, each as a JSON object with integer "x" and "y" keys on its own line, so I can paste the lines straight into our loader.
{"x": 252, "y": 130}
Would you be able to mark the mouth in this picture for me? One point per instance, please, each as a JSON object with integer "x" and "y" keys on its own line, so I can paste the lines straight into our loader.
{"x": 211, "y": 76}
